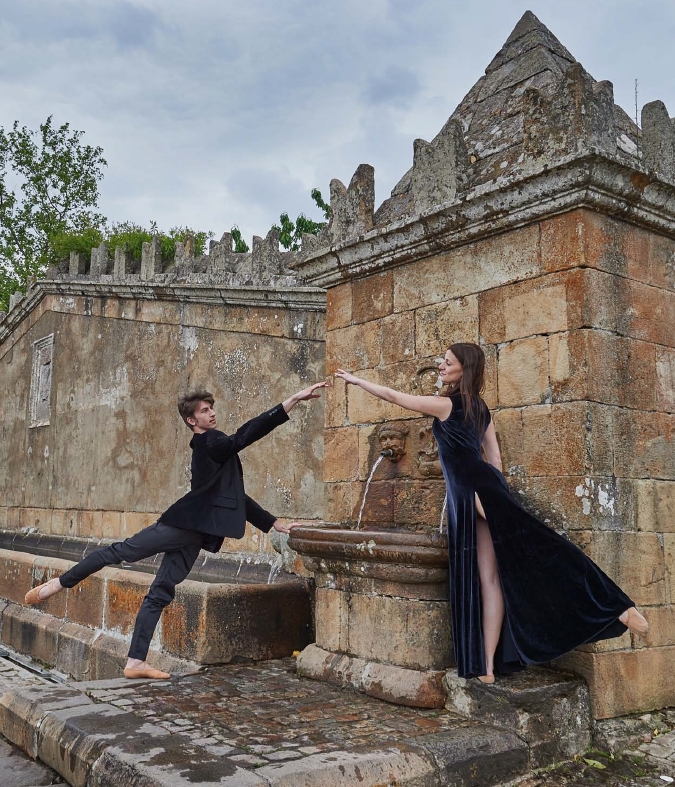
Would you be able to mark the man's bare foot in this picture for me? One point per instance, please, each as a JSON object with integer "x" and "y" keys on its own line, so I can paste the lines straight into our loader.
{"x": 486, "y": 678}
{"x": 43, "y": 592}
{"x": 634, "y": 621}
{"x": 136, "y": 668}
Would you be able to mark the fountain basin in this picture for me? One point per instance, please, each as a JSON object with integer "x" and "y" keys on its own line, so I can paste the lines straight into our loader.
{"x": 381, "y": 614}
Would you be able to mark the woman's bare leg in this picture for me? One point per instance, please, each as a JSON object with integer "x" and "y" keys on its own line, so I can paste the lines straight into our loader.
{"x": 491, "y": 593}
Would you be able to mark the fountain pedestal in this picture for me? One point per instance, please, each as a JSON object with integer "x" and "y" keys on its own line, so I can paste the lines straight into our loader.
{"x": 381, "y": 612}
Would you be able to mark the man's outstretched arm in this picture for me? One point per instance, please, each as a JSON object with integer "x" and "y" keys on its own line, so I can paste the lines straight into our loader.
{"x": 220, "y": 446}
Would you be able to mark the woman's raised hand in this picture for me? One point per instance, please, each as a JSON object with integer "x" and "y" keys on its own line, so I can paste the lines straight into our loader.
{"x": 347, "y": 377}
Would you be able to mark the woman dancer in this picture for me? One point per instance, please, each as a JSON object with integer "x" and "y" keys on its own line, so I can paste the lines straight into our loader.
{"x": 520, "y": 593}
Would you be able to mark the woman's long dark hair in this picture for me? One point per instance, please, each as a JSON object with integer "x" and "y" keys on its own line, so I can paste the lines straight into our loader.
{"x": 472, "y": 383}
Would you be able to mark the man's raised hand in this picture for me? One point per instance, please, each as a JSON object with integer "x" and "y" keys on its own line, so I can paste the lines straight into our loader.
{"x": 304, "y": 395}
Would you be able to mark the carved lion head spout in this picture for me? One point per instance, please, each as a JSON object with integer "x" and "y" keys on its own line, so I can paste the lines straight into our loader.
{"x": 392, "y": 440}
{"x": 428, "y": 461}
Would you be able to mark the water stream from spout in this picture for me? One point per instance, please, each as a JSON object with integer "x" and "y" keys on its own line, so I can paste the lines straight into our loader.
{"x": 275, "y": 568}
{"x": 365, "y": 494}
{"x": 443, "y": 512}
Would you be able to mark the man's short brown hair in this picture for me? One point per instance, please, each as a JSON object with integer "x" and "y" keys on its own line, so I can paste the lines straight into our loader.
{"x": 188, "y": 404}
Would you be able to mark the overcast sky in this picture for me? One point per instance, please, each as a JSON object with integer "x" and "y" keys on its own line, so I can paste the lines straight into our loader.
{"x": 215, "y": 112}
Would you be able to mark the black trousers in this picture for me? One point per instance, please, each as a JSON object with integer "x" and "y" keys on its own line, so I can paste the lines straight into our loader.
{"x": 180, "y": 548}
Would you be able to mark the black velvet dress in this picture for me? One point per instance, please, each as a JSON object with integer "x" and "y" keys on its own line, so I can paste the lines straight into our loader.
{"x": 555, "y": 597}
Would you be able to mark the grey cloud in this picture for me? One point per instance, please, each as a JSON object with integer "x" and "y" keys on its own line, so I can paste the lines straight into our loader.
{"x": 395, "y": 86}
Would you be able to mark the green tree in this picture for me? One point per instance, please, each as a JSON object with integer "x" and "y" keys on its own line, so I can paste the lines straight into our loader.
{"x": 240, "y": 245}
{"x": 290, "y": 233}
{"x": 48, "y": 187}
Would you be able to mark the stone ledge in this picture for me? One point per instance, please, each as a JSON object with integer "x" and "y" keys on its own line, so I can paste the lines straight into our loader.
{"x": 401, "y": 686}
{"x": 207, "y": 623}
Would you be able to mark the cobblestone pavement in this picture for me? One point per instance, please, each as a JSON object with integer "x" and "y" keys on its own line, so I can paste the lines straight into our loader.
{"x": 261, "y": 714}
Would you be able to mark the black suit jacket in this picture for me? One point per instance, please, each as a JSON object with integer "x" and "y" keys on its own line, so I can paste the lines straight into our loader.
{"x": 217, "y": 504}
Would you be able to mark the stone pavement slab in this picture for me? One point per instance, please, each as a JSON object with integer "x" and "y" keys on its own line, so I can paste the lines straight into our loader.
{"x": 17, "y": 770}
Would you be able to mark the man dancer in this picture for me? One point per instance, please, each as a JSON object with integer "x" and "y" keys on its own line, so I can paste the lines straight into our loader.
{"x": 215, "y": 508}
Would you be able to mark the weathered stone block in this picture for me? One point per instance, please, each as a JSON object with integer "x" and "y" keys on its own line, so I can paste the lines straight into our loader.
{"x": 469, "y": 269}
{"x": 339, "y": 306}
{"x": 655, "y": 506}
{"x": 418, "y": 631}
{"x": 415, "y": 688}
{"x": 523, "y": 372}
{"x": 85, "y": 602}
{"x": 548, "y": 709}
{"x": 665, "y": 379}
{"x": 341, "y": 454}
{"x": 354, "y": 348}
{"x": 331, "y": 619}
{"x": 641, "y": 687}
{"x": 419, "y": 503}
{"x": 124, "y": 592}
{"x": 525, "y": 309}
{"x": 578, "y": 502}
{"x": 644, "y": 444}
{"x": 372, "y": 297}
{"x": 635, "y": 561}
{"x": 541, "y": 439}
{"x": 397, "y": 338}
{"x": 661, "y": 627}
{"x": 30, "y": 631}
{"x": 16, "y": 575}
{"x": 646, "y": 313}
{"x": 342, "y": 501}
{"x": 22, "y": 710}
{"x": 440, "y": 325}
{"x": 658, "y": 139}
{"x": 73, "y": 655}
{"x": 362, "y": 408}
{"x": 71, "y": 740}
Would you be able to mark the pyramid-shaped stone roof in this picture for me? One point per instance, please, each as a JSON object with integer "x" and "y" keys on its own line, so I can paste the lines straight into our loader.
{"x": 493, "y": 115}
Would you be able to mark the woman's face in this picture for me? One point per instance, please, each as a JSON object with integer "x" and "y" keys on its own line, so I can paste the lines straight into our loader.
{"x": 450, "y": 369}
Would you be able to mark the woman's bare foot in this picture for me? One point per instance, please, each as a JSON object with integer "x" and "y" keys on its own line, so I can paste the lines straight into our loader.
{"x": 43, "y": 592}
{"x": 486, "y": 678}
{"x": 136, "y": 668}
{"x": 634, "y": 621}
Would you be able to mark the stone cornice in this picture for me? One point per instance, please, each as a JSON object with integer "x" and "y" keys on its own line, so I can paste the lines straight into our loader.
{"x": 592, "y": 180}
{"x": 292, "y": 298}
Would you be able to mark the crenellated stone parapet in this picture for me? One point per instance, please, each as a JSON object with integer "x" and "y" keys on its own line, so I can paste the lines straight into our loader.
{"x": 579, "y": 117}
{"x": 658, "y": 140}
{"x": 440, "y": 168}
{"x": 352, "y": 207}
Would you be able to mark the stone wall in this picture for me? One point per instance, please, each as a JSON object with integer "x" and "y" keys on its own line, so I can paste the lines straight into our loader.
{"x": 114, "y": 452}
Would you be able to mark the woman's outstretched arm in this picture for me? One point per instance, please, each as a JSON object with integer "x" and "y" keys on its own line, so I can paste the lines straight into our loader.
{"x": 438, "y": 406}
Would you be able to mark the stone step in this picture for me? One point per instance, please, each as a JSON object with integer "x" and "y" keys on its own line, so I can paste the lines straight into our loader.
{"x": 548, "y": 709}
{"x": 96, "y": 743}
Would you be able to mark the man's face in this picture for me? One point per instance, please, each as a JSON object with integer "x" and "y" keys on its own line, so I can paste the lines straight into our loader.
{"x": 203, "y": 419}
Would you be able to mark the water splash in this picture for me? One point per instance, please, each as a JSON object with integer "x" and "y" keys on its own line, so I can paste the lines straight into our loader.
{"x": 443, "y": 513}
{"x": 365, "y": 494}
{"x": 275, "y": 568}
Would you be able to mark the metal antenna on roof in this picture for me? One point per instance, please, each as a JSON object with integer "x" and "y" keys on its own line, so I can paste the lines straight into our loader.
{"x": 636, "y": 119}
